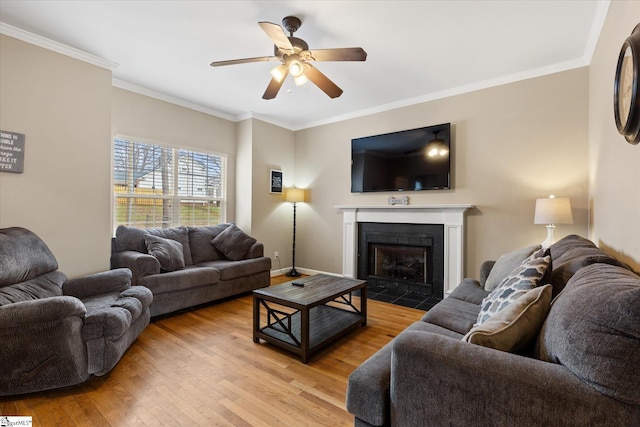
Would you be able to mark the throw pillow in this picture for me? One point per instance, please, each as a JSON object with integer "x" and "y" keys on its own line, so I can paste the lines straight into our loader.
{"x": 233, "y": 242}
{"x": 524, "y": 277}
{"x": 506, "y": 264}
{"x": 168, "y": 252}
{"x": 514, "y": 328}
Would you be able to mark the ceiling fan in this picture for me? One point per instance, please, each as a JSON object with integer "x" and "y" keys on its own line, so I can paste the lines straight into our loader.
{"x": 294, "y": 56}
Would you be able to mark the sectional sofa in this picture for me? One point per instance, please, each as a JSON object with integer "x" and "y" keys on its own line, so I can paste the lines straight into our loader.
{"x": 474, "y": 361}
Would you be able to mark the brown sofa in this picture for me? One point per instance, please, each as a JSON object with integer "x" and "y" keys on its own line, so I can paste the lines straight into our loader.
{"x": 581, "y": 366}
{"x": 188, "y": 266}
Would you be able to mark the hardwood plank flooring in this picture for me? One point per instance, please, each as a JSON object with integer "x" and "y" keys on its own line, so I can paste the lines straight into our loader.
{"x": 202, "y": 368}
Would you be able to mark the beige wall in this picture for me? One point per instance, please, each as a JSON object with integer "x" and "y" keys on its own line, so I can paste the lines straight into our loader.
{"x": 614, "y": 166}
{"x": 271, "y": 217}
{"x": 512, "y": 144}
{"x": 63, "y": 106}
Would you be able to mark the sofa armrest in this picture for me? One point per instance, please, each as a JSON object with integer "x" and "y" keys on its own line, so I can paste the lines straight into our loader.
{"x": 140, "y": 264}
{"x": 44, "y": 310}
{"x": 485, "y": 269}
{"x": 434, "y": 377}
{"x": 41, "y": 345}
{"x": 104, "y": 282}
{"x": 469, "y": 290}
{"x": 255, "y": 251}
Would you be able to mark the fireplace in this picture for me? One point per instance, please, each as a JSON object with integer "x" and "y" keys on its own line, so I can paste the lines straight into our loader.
{"x": 451, "y": 216}
{"x": 404, "y": 257}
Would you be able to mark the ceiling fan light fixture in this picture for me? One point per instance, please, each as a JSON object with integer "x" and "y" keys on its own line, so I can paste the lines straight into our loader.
{"x": 279, "y": 72}
{"x": 295, "y": 68}
{"x": 300, "y": 80}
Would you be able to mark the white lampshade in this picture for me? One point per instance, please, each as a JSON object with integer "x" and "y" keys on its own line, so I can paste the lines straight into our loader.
{"x": 296, "y": 195}
{"x": 553, "y": 210}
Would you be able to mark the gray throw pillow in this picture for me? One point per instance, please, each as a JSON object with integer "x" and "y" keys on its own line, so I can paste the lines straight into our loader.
{"x": 168, "y": 252}
{"x": 523, "y": 278}
{"x": 505, "y": 265}
{"x": 233, "y": 243}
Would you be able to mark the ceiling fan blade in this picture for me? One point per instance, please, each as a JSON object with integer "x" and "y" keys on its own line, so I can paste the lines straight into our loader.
{"x": 244, "y": 60}
{"x": 340, "y": 54}
{"x": 274, "y": 87}
{"x": 322, "y": 81}
{"x": 277, "y": 35}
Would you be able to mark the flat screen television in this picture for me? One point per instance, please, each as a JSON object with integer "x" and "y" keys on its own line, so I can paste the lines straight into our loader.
{"x": 409, "y": 160}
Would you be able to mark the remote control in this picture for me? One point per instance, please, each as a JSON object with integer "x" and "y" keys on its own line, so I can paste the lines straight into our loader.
{"x": 297, "y": 283}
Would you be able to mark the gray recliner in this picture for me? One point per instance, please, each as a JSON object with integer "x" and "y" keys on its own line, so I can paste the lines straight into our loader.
{"x": 57, "y": 332}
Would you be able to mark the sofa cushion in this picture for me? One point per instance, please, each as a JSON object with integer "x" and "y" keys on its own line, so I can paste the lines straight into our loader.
{"x": 593, "y": 329}
{"x": 233, "y": 242}
{"x": 168, "y": 252}
{"x": 233, "y": 269}
{"x": 570, "y": 254}
{"x": 132, "y": 239}
{"x": 174, "y": 281}
{"x": 44, "y": 286}
{"x": 523, "y": 278}
{"x": 453, "y": 314}
{"x": 469, "y": 290}
{"x": 200, "y": 241}
{"x": 23, "y": 256}
{"x": 506, "y": 264}
{"x": 514, "y": 328}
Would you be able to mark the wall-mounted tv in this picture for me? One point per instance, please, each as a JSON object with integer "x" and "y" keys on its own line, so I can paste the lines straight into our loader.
{"x": 409, "y": 160}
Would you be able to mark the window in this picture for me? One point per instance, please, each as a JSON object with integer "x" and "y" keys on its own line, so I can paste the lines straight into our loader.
{"x": 157, "y": 186}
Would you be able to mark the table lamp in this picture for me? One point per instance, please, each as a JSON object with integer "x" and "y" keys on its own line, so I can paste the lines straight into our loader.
{"x": 551, "y": 211}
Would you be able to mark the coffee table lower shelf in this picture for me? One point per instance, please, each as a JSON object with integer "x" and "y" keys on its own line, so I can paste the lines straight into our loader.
{"x": 329, "y": 323}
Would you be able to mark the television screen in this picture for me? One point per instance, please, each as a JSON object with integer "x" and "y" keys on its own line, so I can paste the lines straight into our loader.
{"x": 416, "y": 159}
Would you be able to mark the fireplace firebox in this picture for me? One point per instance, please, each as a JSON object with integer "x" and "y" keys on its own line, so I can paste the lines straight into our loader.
{"x": 404, "y": 257}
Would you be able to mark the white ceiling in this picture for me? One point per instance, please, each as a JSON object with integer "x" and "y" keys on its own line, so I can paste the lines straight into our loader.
{"x": 417, "y": 50}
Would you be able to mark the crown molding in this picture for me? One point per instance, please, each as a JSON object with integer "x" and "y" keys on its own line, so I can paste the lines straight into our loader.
{"x": 599, "y": 18}
{"x": 131, "y": 87}
{"x": 485, "y": 84}
{"x": 54, "y": 46}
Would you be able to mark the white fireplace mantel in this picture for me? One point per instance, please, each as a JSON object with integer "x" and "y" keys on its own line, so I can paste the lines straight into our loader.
{"x": 451, "y": 216}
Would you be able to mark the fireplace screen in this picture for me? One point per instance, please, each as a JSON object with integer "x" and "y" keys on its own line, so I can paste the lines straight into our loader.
{"x": 399, "y": 262}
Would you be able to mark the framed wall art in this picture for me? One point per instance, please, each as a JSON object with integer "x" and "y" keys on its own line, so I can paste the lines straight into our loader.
{"x": 276, "y": 181}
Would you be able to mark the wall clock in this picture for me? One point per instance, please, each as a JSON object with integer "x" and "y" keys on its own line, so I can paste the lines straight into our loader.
{"x": 626, "y": 102}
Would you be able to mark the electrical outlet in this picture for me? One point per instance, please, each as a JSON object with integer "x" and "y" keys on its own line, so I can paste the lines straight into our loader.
{"x": 275, "y": 254}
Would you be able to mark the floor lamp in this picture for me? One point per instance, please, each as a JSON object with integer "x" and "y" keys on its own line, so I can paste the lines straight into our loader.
{"x": 295, "y": 195}
{"x": 552, "y": 211}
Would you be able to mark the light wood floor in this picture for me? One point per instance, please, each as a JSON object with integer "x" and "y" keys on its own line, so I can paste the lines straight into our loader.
{"x": 202, "y": 368}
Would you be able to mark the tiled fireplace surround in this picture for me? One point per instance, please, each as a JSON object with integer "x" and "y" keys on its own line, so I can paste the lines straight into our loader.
{"x": 450, "y": 216}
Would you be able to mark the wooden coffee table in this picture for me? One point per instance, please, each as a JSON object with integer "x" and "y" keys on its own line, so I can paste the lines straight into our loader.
{"x": 302, "y": 319}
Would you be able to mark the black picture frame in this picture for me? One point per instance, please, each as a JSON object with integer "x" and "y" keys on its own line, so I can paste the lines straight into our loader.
{"x": 275, "y": 181}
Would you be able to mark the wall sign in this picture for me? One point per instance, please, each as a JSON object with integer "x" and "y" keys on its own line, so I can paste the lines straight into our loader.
{"x": 276, "y": 181}
{"x": 11, "y": 152}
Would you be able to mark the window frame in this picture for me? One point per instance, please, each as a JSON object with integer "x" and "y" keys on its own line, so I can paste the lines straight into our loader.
{"x": 177, "y": 199}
